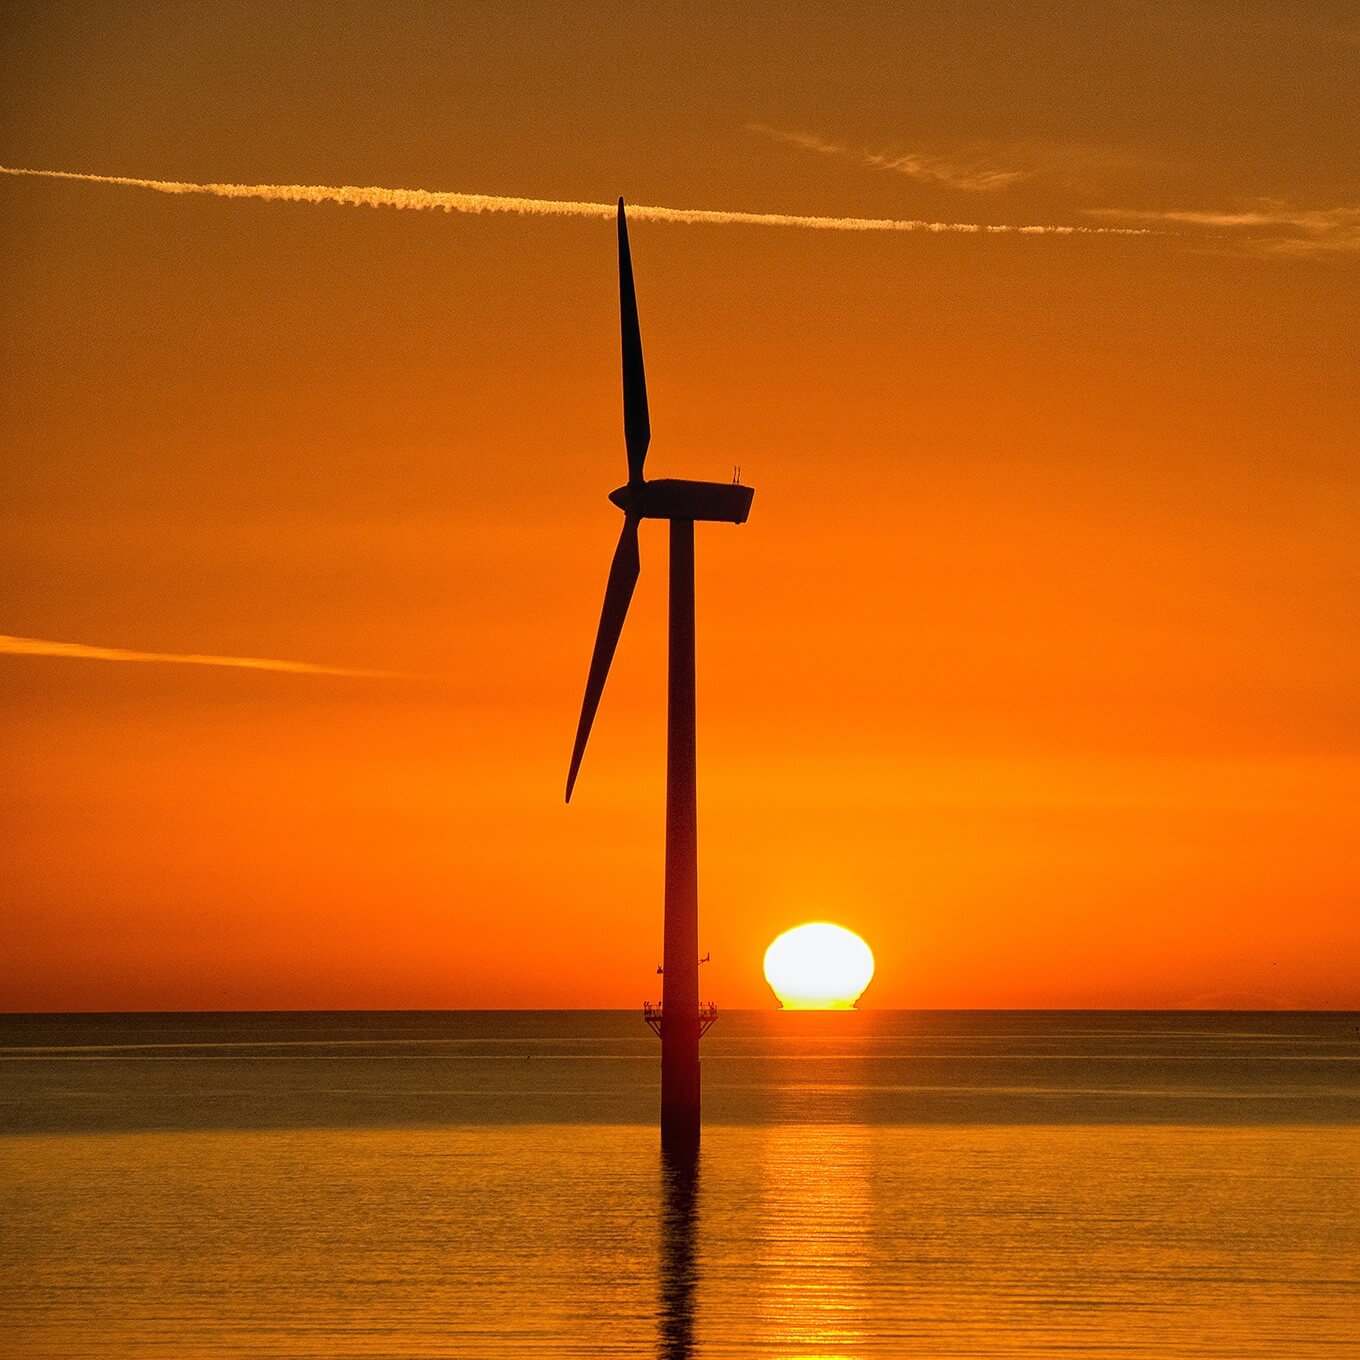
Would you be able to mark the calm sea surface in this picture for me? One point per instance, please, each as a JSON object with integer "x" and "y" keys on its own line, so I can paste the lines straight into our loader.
{"x": 490, "y": 1184}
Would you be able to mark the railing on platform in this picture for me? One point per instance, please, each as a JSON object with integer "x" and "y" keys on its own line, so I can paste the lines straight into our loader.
{"x": 708, "y": 1013}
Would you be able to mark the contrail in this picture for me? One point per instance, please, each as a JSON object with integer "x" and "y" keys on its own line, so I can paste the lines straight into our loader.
{"x": 427, "y": 200}
{"x": 22, "y": 646}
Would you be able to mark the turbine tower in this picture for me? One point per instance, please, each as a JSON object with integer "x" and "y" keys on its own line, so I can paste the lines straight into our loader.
{"x": 682, "y": 503}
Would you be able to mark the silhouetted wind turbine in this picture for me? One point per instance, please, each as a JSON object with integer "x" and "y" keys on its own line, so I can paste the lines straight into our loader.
{"x": 682, "y": 503}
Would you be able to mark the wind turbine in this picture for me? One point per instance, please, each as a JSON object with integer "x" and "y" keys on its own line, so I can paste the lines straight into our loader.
{"x": 682, "y": 503}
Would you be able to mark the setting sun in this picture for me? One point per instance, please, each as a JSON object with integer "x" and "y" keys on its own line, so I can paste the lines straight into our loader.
{"x": 818, "y": 967}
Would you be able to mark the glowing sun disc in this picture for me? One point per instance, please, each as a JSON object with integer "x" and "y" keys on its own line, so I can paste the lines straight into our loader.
{"x": 818, "y": 967}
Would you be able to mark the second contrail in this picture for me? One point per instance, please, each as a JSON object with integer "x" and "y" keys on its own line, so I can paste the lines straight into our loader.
{"x": 81, "y": 651}
{"x": 431, "y": 200}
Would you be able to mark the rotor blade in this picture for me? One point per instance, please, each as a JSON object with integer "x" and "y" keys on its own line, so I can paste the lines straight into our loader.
{"x": 637, "y": 428}
{"x": 623, "y": 574}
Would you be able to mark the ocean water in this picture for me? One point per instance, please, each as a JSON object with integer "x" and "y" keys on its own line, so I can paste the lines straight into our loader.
{"x": 870, "y": 1184}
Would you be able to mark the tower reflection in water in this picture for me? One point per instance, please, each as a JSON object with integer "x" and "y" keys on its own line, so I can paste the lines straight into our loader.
{"x": 678, "y": 1255}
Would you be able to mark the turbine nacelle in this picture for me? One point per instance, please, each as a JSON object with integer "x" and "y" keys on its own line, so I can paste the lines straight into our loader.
{"x": 671, "y": 498}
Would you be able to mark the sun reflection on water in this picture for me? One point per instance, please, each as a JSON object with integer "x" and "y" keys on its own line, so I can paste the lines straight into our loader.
{"x": 816, "y": 1217}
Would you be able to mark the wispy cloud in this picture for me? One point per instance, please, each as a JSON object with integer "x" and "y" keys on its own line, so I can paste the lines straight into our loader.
{"x": 974, "y": 175}
{"x": 430, "y": 200}
{"x": 1264, "y": 226}
{"x": 80, "y": 651}
{"x": 1267, "y": 227}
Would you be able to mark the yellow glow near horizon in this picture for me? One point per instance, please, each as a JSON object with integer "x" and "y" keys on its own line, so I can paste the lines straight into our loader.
{"x": 818, "y": 967}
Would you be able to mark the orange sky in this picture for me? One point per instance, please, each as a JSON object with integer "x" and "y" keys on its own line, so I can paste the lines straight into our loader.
{"x": 1036, "y": 663}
